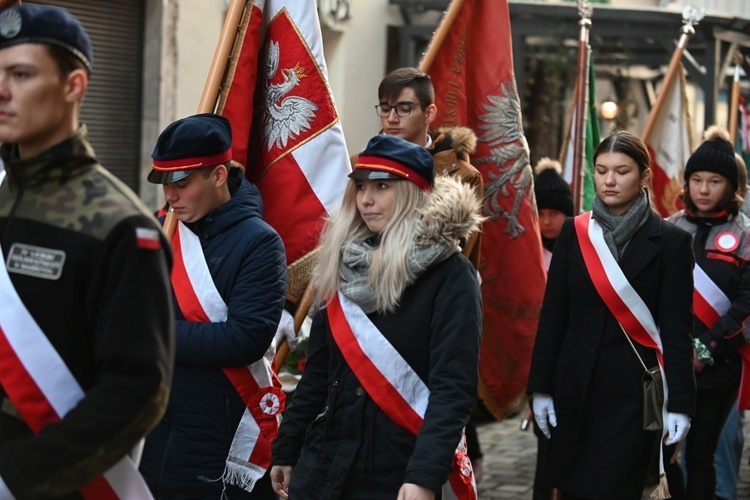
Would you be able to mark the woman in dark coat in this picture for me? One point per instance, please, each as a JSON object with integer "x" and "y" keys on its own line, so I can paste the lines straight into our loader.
{"x": 585, "y": 377}
{"x": 721, "y": 243}
{"x": 391, "y": 255}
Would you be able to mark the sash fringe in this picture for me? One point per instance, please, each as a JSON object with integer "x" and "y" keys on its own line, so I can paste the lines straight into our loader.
{"x": 242, "y": 474}
{"x": 661, "y": 492}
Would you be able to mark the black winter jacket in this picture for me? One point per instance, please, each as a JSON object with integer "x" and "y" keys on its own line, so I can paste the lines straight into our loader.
{"x": 729, "y": 269}
{"x": 351, "y": 448}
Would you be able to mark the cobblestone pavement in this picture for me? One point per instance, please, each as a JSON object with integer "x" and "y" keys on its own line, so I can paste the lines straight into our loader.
{"x": 510, "y": 459}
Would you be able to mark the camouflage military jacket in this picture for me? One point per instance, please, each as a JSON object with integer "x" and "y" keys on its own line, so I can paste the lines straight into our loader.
{"x": 101, "y": 295}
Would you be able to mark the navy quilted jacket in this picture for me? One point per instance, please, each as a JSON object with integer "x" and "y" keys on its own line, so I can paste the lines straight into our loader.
{"x": 185, "y": 454}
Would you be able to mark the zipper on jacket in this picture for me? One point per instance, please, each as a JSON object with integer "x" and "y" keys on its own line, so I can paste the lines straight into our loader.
{"x": 326, "y": 428}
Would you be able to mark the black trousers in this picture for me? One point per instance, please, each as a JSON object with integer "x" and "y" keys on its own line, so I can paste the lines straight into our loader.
{"x": 712, "y": 408}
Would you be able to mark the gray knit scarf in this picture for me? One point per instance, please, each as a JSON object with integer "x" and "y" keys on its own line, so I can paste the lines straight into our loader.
{"x": 356, "y": 258}
{"x": 619, "y": 229}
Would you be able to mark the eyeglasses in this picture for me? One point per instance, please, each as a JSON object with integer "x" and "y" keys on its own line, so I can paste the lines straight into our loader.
{"x": 402, "y": 108}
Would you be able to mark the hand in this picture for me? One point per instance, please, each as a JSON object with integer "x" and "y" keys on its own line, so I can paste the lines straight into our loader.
{"x": 286, "y": 331}
{"x": 544, "y": 410}
{"x": 281, "y": 475}
{"x": 411, "y": 491}
{"x": 698, "y": 364}
{"x": 678, "y": 425}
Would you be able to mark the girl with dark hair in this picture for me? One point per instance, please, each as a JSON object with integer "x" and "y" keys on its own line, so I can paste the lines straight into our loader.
{"x": 721, "y": 243}
{"x": 618, "y": 302}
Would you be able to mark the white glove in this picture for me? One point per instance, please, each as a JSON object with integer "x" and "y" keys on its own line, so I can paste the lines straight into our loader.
{"x": 544, "y": 410}
{"x": 285, "y": 330}
{"x": 678, "y": 425}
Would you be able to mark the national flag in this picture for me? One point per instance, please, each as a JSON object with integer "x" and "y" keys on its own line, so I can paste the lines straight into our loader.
{"x": 475, "y": 87}
{"x": 591, "y": 139}
{"x": 669, "y": 145}
{"x": 277, "y": 94}
{"x": 147, "y": 238}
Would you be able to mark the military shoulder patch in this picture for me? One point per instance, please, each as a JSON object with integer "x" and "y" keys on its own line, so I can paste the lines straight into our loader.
{"x": 147, "y": 238}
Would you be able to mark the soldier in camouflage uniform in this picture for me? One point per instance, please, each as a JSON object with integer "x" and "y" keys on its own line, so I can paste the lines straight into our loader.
{"x": 90, "y": 267}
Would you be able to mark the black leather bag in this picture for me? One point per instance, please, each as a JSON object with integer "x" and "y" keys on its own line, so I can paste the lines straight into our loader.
{"x": 653, "y": 400}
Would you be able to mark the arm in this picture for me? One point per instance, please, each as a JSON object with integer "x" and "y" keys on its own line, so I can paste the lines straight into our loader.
{"x": 309, "y": 397}
{"x": 725, "y": 336}
{"x": 255, "y": 302}
{"x": 555, "y": 316}
{"x": 130, "y": 336}
{"x": 676, "y": 322}
{"x": 452, "y": 379}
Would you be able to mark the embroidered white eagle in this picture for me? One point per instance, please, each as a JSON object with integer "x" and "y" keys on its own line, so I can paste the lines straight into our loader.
{"x": 286, "y": 117}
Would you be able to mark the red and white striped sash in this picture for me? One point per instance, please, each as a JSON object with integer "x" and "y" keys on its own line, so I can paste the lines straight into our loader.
{"x": 200, "y": 301}
{"x": 392, "y": 383}
{"x": 710, "y": 303}
{"x": 43, "y": 389}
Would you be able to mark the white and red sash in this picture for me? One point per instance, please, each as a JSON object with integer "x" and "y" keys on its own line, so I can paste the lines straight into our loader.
{"x": 200, "y": 301}
{"x": 618, "y": 294}
{"x": 43, "y": 389}
{"x": 392, "y": 384}
{"x": 710, "y": 303}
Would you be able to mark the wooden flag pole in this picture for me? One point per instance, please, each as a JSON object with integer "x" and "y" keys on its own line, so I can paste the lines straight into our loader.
{"x": 4, "y": 4}
{"x": 451, "y": 13}
{"x": 213, "y": 82}
{"x": 580, "y": 108}
{"x": 690, "y": 18}
{"x": 734, "y": 103}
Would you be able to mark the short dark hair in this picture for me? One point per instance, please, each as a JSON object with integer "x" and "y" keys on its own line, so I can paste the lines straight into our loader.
{"x": 67, "y": 62}
{"x": 398, "y": 79}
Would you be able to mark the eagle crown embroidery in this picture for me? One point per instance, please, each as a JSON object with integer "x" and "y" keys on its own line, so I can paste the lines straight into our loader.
{"x": 287, "y": 116}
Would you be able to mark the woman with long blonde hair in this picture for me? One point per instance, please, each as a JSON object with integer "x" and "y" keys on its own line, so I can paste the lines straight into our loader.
{"x": 391, "y": 371}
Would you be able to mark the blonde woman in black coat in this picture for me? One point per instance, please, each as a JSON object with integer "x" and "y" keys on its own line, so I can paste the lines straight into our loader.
{"x": 391, "y": 371}
{"x": 585, "y": 376}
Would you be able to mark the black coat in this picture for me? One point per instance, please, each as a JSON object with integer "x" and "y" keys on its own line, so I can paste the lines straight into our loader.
{"x": 346, "y": 446}
{"x": 730, "y": 271}
{"x": 583, "y": 360}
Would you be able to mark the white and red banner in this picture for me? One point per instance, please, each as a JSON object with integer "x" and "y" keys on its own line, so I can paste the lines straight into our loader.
{"x": 391, "y": 383}
{"x": 286, "y": 129}
{"x": 669, "y": 145}
{"x": 200, "y": 301}
{"x": 475, "y": 87}
{"x": 43, "y": 390}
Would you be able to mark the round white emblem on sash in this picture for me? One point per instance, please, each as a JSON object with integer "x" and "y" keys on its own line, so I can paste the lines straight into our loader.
{"x": 270, "y": 403}
{"x": 727, "y": 242}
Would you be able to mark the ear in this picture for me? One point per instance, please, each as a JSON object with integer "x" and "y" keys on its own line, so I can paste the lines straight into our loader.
{"x": 430, "y": 113}
{"x": 76, "y": 85}
{"x": 646, "y": 178}
{"x": 220, "y": 175}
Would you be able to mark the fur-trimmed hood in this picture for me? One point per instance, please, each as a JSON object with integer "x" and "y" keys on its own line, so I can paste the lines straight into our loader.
{"x": 450, "y": 215}
{"x": 462, "y": 140}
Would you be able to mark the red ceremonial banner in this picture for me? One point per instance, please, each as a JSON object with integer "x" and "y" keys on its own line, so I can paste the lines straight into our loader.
{"x": 475, "y": 86}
